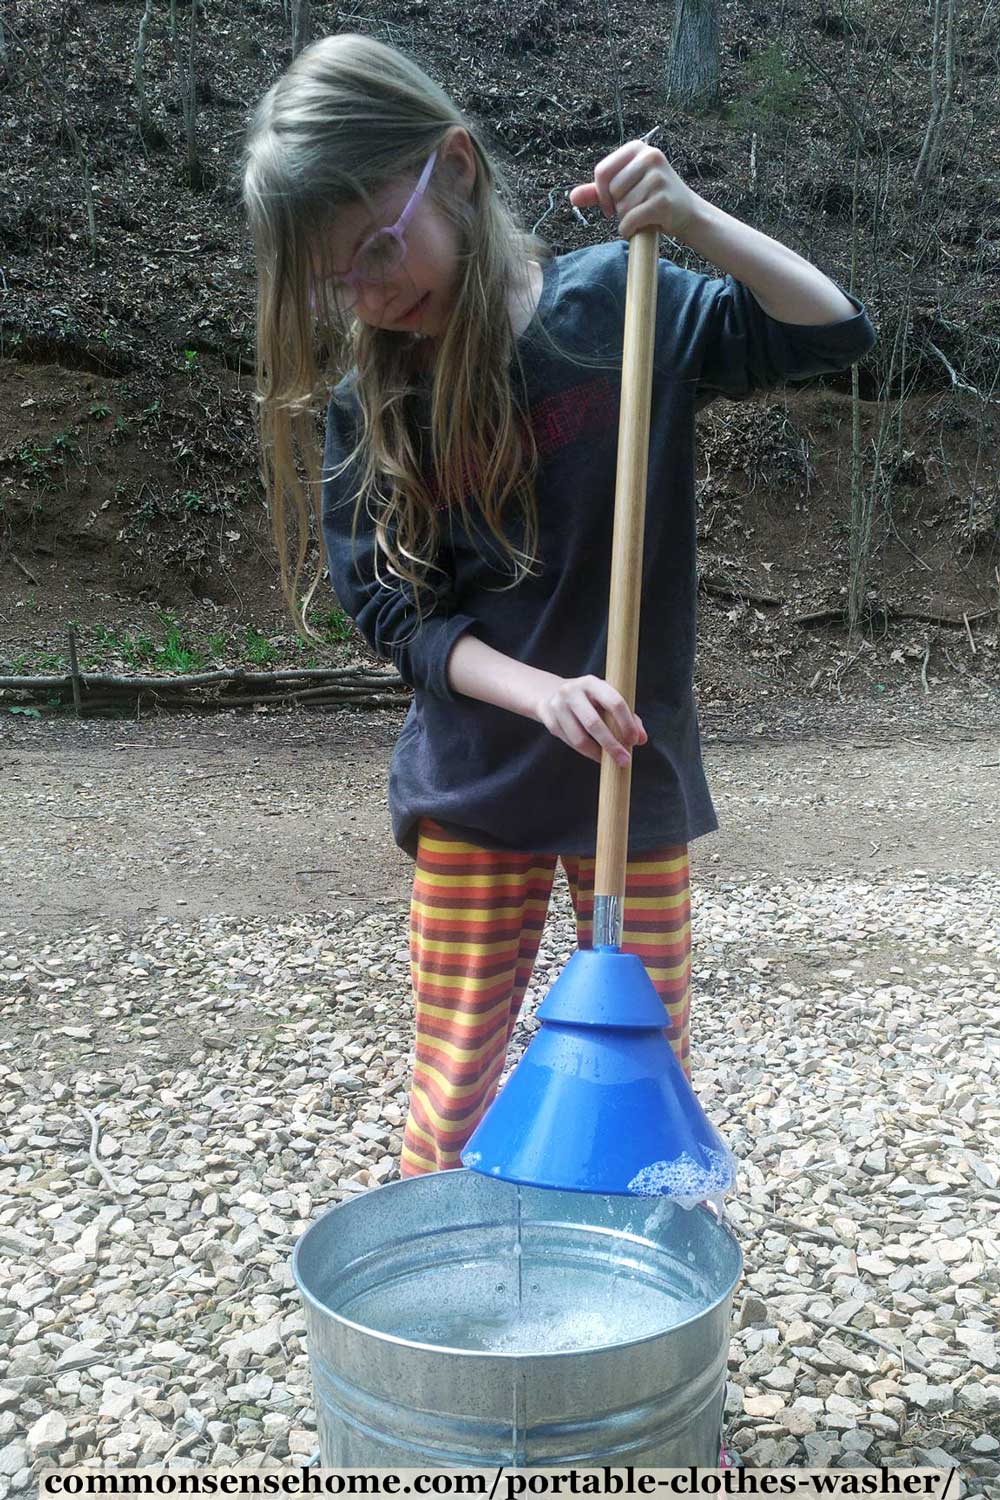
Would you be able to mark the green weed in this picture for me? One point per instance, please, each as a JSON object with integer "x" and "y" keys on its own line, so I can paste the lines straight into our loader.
{"x": 42, "y": 462}
{"x": 333, "y": 623}
{"x": 137, "y": 650}
{"x": 779, "y": 91}
{"x": 258, "y": 648}
{"x": 177, "y": 654}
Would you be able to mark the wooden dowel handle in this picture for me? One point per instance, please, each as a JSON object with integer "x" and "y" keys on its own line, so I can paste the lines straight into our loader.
{"x": 626, "y": 559}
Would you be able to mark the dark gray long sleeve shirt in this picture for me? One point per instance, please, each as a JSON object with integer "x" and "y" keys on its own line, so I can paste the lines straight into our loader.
{"x": 496, "y": 777}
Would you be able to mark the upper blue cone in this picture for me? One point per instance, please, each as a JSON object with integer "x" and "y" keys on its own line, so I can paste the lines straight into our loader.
{"x": 598, "y": 1103}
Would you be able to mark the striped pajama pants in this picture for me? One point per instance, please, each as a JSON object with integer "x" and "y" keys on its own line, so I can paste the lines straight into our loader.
{"x": 476, "y": 919}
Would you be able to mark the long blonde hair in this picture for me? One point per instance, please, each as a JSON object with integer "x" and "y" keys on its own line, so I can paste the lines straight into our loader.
{"x": 349, "y": 115}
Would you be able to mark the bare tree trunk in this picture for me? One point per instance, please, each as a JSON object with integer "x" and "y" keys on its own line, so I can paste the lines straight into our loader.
{"x": 301, "y": 25}
{"x": 940, "y": 104}
{"x": 861, "y": 499}
{"x": 615, "y": 57}
{"x": 693, "y": 77}
{"x": 190, "y": 104}
{"x": 70, "y": 131}
{"x": 139, "y": 73}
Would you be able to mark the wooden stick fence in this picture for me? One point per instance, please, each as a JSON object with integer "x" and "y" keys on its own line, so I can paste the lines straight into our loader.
{"x": 237, "y": 687}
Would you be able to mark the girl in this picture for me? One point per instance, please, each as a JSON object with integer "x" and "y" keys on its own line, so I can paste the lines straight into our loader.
{"x": 466, "y": 505}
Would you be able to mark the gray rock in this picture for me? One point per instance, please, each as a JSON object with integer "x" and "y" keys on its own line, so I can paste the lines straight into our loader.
{"x": 930, "y": 1397}
{"x": 978, "y": 1398}
{"x": 13, "y": 1458}
{"x": 936, "y": 1458}
{"x": 753, "y": 1312}
{"x": 823, "y": 1448}
{"x": 48, "y": 1435}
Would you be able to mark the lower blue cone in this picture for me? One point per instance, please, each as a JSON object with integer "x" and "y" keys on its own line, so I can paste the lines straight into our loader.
{"x": 598, "y": 1103}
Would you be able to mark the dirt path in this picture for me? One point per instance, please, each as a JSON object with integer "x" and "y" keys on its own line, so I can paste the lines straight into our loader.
{"x": 273, "y": 814}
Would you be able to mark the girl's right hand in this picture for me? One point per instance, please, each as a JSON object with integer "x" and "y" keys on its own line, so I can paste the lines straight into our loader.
{"x": 571, "y": 711}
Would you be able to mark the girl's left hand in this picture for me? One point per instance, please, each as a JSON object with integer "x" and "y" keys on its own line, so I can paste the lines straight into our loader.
{"x": 639, "y": 184}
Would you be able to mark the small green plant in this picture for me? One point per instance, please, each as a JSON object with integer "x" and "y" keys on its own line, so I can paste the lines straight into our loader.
{"x": 137, "y": 650}
{"x": 217, "y": 645}
{"x": 190, "y": 359}
{"x": 177, "y": 654}
{"x": 51, "y": 661}
{"x": 31, "y": 713}
{"x": 258, "y": 648}
{"x": 778, "y": 91}
{"x": 30, "y": 455}
{"x": 43, "y": 461}
{"x": 98, "y": 412}
{"x": 333, "y": 623}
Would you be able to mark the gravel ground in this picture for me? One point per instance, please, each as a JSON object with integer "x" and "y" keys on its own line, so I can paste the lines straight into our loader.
{"x": 181, "y": 1099}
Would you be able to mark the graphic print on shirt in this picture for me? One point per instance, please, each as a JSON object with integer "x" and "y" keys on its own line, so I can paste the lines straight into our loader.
{"x": 556, "y": 421}
{"x": 588, "y": 408}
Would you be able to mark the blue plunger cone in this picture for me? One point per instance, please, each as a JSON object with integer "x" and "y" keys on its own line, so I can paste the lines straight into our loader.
{"x": 598, "y": 1103}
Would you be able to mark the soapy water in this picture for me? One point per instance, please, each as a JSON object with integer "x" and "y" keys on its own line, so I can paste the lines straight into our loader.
{"x": 562, "y": 1307}
{"x": 686, "y": 1182}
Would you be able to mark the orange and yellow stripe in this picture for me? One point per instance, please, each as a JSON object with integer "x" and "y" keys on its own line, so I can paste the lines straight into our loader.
{"x": 476, "y": 919}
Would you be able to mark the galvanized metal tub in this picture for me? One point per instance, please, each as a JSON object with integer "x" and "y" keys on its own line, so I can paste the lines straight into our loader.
{"x": 411, "y": 1294}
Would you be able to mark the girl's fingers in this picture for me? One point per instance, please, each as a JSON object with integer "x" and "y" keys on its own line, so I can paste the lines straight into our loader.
{"x": 575, "y": 715}
{"x": 586, "y": 729}
{"x": 599, "y": 731}
{"x": 621, "y": 171}
{"x": 622, "y": 733}
{"x": 654, "y": 197}
{"x": 628, "y": 725}
{"x": 575, "y": 734}
{"x": 583, "y": 729}
{"x": 646, "y": 216}
{"x": 630, "y": 178}
{"x": 589, "y": 196}
{"x": 584, "y": 195}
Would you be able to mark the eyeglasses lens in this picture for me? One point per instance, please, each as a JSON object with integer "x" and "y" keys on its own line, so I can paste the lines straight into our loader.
{"x": 380, "y": 256}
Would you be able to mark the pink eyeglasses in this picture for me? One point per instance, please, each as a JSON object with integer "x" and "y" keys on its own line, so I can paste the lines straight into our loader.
{"x": 382, "y": 252}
